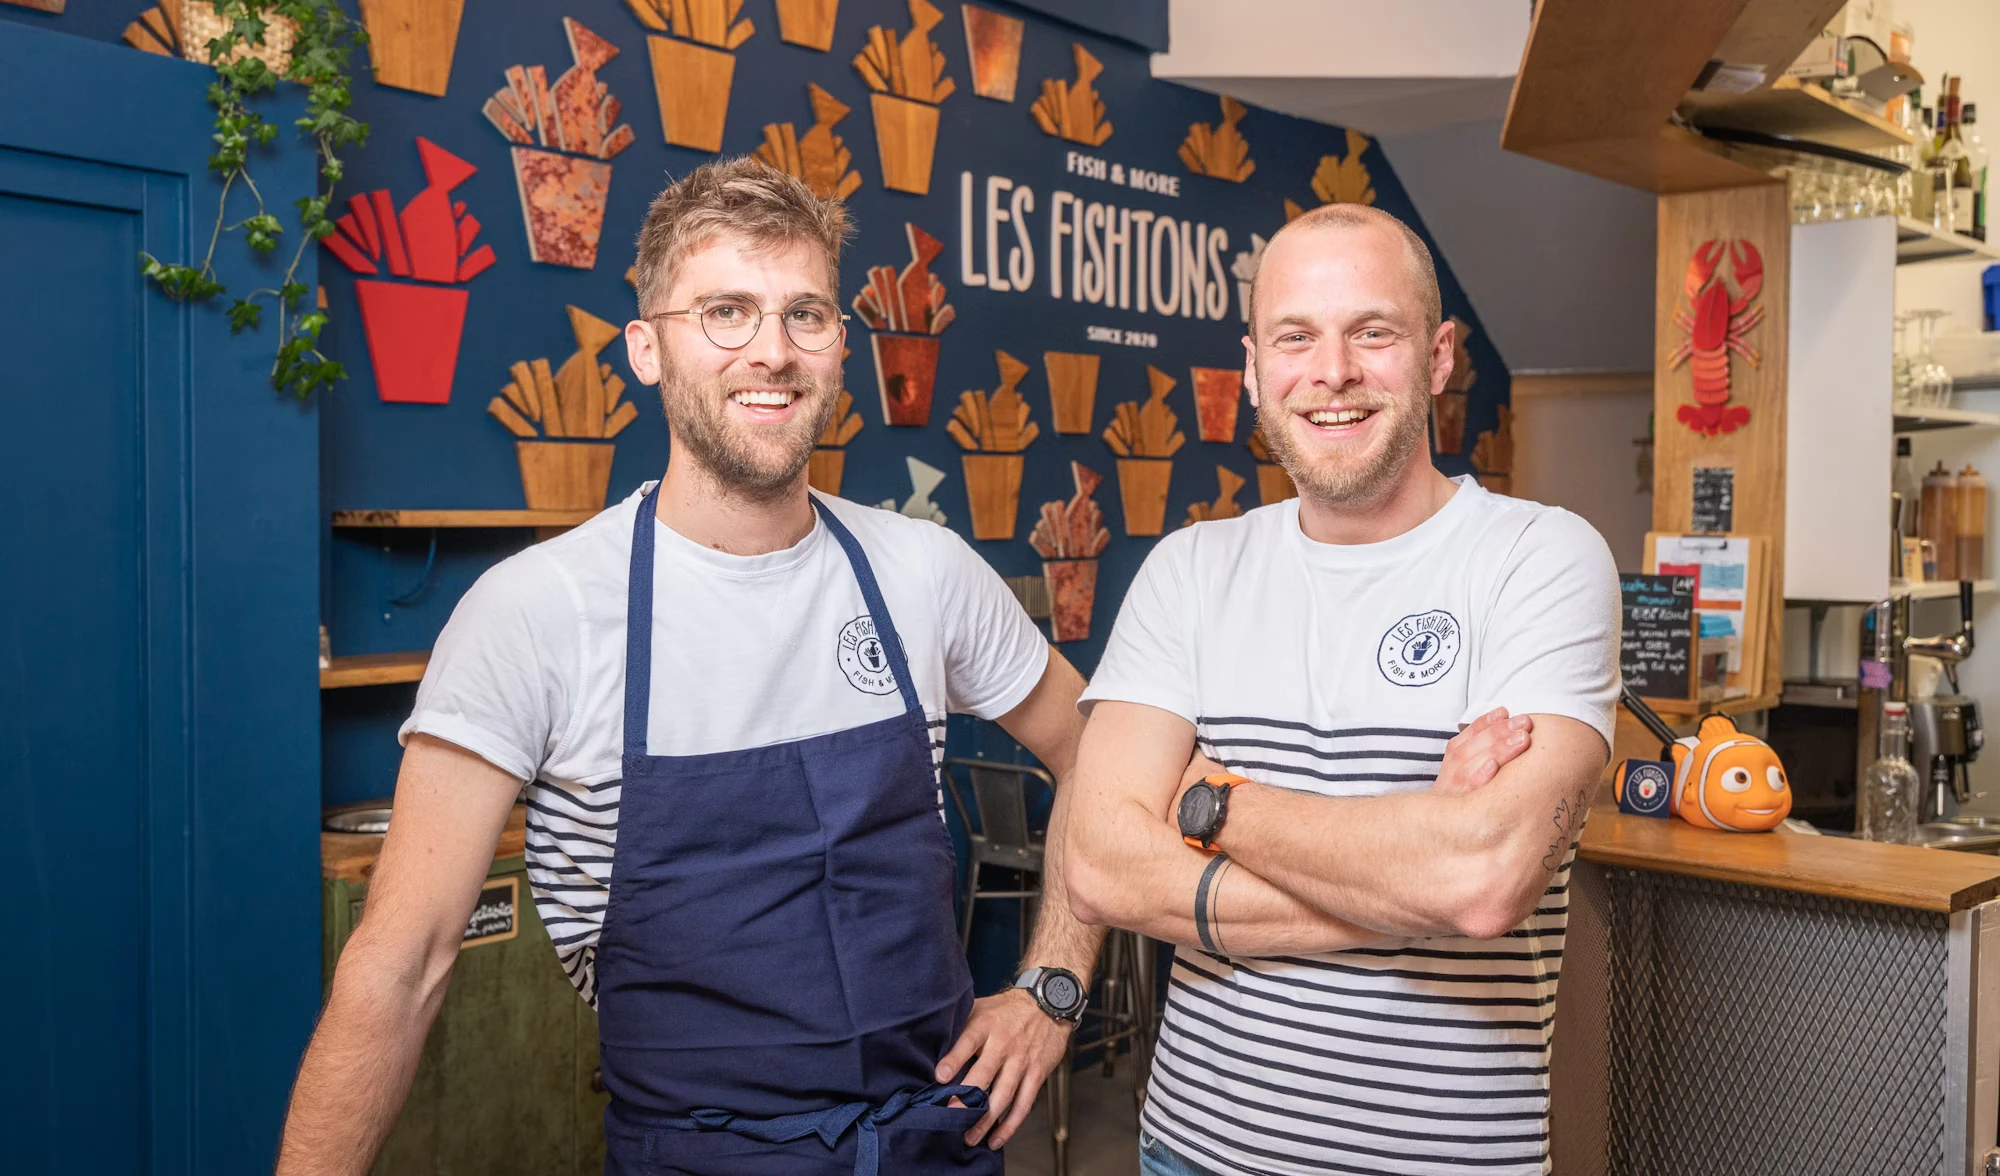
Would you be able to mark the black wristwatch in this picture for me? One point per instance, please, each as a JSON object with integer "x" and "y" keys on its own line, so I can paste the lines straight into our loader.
{"x": 1203, "y": 808}
{"x": 1057, "y": 990}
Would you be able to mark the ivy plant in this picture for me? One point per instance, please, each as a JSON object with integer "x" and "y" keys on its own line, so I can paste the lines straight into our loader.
{"x": 325, "y": 38}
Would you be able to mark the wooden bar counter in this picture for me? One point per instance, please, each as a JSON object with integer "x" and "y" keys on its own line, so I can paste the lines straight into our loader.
{"x": 1778, "y": 1002}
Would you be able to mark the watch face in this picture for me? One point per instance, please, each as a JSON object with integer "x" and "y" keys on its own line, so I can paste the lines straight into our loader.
{"x": 1061, "y": 991}
{"x": 1197, "y": 813}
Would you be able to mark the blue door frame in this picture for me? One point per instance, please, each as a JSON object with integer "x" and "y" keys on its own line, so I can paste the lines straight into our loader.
{"x": 223, "y": 944}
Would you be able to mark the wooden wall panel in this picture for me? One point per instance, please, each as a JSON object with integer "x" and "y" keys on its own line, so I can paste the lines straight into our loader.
{"x": 1762, "y": 216}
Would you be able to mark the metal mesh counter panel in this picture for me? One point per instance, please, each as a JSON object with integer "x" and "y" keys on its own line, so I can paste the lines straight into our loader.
{"x": 1758, "y": 1031}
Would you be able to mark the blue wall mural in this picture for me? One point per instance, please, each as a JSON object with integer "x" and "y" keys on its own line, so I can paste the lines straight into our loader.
{"x": 1023, "y": 218}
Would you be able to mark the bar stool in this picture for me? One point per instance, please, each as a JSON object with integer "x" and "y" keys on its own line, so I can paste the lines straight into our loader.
{"x": 1123, "y": 1011}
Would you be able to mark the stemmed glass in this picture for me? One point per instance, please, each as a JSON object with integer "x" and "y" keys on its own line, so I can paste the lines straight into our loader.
{"x": 1933, "y": 379}
{"x": 1902, "y": 367}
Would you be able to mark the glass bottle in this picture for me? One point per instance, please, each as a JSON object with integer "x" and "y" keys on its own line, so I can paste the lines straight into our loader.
{"x": 1971, "y": 524}
{"x": 1923, "y": 194}
{"x": 1958, "y": 160}
{"x": 1939, "y": 519}
{"x": 1976, "y": 147}
{"x": 1904, "y": 481}
{"x": 1887, "y": 797}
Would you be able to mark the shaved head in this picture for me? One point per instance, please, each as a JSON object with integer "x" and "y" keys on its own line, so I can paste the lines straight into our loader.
{"x": 1423, "y": 271}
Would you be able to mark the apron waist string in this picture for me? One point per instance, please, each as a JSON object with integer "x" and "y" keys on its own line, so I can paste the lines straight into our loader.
{"x": 829, "y": 1124}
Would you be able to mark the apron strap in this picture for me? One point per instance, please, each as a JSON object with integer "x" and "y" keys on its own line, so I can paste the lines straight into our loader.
{"x": 639, "y": 626}
{"x": 871, "y": 594}
{"x": 639, "y": 619}
{"x": 829, "y": 1124}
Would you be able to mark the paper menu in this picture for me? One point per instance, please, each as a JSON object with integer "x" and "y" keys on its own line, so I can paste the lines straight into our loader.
{"x": 1730, "y": 604}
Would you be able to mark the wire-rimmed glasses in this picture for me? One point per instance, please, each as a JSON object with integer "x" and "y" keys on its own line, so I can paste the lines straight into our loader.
{"x": 731, "y": 320}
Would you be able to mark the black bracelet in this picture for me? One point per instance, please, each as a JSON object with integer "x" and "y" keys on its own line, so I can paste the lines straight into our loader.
{"x": 1201, "y": 903}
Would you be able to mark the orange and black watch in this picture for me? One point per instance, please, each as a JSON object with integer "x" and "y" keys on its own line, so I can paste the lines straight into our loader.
{"x": 1203, "y": 808}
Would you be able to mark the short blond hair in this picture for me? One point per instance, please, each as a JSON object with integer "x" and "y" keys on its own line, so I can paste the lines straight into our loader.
{"x": 1355, "y": 216}
{"x": 742, "y": 197}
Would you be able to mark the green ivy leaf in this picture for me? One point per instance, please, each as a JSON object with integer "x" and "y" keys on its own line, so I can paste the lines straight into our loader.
{"x": 243, "y": 313}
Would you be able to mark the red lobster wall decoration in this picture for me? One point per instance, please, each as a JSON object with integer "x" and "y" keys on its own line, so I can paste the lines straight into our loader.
{"x": 1716, "y": 328}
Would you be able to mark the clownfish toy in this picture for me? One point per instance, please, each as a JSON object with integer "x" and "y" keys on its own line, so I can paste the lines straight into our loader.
{"x": 1720, "y": 777}
{"x": 1724, "y": 779}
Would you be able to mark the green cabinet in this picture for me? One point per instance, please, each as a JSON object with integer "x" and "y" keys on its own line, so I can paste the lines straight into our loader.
{"x": 506, "y": 1082}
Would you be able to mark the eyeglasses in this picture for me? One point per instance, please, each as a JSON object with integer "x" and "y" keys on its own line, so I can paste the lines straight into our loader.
{"x": 730, "y": 321}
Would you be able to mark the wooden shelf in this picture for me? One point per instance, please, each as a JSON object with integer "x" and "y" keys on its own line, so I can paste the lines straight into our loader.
{"x": 1599, "y": 82}
{"x": 1801, "y": 110}
{"x": 1928, "y": 419}
{"x": 1941, "y": 589}
{"x": 462, "y": 518}
{"x": 1917, "y": 241}
{"x": 374, "y": 669}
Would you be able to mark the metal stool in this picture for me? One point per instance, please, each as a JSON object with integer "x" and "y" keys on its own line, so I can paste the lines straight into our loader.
{"x": 1124, "y": 1009}
{"x": 1002, "y": 836}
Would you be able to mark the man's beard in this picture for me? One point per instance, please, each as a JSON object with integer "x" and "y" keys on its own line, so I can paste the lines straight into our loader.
{"x": 1363, "y": 478}
{"x": 763, "y": 465}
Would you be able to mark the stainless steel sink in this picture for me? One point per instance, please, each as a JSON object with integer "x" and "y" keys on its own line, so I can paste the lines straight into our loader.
{"x": 1963, "y": 834}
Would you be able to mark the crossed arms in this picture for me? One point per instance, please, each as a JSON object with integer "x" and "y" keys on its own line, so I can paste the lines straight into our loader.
{"x": 1472, "y": 856}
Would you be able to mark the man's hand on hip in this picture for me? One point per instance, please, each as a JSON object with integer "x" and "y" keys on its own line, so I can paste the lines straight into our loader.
{"x": 1016, "y": 1044}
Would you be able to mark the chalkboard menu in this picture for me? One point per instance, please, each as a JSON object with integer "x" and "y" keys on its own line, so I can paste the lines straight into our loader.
{"x": 1655, "y": 654}
{"x": 1714, "y": 500}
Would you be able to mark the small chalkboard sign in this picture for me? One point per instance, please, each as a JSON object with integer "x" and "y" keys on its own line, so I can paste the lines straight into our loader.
{"x": 1714, "y": 500}
{"x": 496, "y": 916}
{"x": 1655, "y": 656}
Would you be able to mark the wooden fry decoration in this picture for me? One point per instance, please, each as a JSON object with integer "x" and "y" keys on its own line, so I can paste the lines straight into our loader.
{"x": 1069, "y": 537}
{"x": 562, "y": 150}
{"x": 820, "y": 158}
{"x": 580, "y": 403}
{"x": 1493, "y": 454}
{"x": 807, "y": 22}
{"x": 996, "y": 424}
{"x": 907, "y": 75}
{"x": 911, "y": 301}
{"x": 996, "y": 429}
{"x": 1148, "y": 431}
{"x": 1144, "y": 437}
{"x": 1074, "y": 111}
{"x": 828, "y": 463}
{"x": 1219, "y": 151}
{"x": 1273, "y": 483}
{"x": 1343, "y": 181}
{"x": 1224, "y": 506}
{"x": 993, "y": 49}
{"x": 694, "y": 64}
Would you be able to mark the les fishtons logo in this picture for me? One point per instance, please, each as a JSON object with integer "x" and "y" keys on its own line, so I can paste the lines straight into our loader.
{"x": 864, "y": 659}
{"x": 1419, "y": 649}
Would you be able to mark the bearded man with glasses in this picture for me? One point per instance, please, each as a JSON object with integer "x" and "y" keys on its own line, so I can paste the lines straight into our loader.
{"x": 726, "y": 697}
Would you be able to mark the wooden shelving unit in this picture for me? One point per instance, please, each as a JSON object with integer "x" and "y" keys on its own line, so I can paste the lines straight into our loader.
{"x": 1942, "y": 589}
{"x": 1925, "y": 420}
{"x": 1802, "y": 110}
{"x": 461, "y": 518}
{"x": 374, "y": 669}
{"x": 1917, "y": 241}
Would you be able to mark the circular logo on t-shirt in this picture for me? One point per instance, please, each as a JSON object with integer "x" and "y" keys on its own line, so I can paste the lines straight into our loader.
{"x": 1419, "y": 649}
{"x": 1646, "y": 788}
{"x": 864, "y": 659}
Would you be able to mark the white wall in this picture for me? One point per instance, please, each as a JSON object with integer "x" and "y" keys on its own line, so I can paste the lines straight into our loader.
{"x": 1578, "y": 451}
{"x": 1560, "y": 264}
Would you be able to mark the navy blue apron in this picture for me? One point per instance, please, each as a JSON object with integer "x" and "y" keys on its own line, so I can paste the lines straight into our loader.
{"x": 779, "y": 971}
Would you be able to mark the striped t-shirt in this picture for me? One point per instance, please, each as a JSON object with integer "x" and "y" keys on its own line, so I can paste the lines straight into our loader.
{"x": 748, "y": 651}
{"x": 1344, "y": 671}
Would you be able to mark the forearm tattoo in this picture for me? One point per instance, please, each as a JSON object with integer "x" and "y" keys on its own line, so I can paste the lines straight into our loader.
{"x": 1207, "y": 897}
{"x": 1568, "y": 821}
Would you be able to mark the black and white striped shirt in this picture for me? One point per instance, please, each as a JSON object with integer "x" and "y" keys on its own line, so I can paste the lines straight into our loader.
{"x": 747, "y": 652}
{"x": 1345, "y": 671}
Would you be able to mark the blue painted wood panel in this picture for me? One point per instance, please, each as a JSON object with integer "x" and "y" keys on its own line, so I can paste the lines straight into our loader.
{"x": 158, "y": 701}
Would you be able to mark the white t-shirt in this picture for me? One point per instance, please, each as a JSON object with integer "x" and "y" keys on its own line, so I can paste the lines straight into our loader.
{"x": 748, "y": 651}
{"x": 1344, "y": 670}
